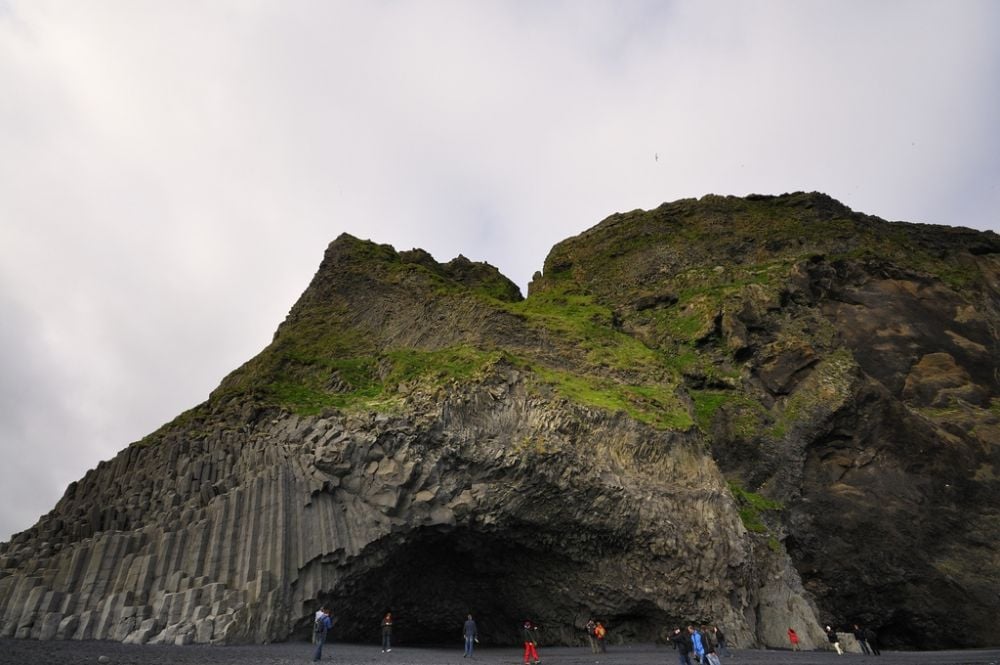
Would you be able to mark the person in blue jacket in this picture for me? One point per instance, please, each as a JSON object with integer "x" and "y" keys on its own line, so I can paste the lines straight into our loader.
{"x": 699, "y": 648}
{"x": 321, "y": 627}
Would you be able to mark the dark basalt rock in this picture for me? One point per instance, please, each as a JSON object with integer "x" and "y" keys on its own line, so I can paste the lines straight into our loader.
{"x": 759, "y": 412}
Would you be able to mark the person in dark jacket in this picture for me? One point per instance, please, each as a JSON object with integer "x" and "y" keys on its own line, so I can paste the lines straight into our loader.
{"x": 387, "y": 632}
{"x": 470, "y": 634}
{"x": 720, "y": 640}
{"x": 711, "y": 646}
{"x": 859, "y": 635}
{"x": 682, "y": 642}
{"x": 872, "y": 639}
{"x": 831, "y": 635}
{"x": 529, "y": 633}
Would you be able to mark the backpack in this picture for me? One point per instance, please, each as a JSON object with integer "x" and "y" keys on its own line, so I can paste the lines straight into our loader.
{"x": 600, "y": 631}
{"x": 319, "y": 626}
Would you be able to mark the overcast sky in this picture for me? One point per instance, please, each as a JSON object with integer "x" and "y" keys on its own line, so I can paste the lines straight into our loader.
{"x": 171, "y": 172}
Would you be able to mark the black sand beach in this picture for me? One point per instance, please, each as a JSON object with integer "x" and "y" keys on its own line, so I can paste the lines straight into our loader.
{"x": 28, "y": 652}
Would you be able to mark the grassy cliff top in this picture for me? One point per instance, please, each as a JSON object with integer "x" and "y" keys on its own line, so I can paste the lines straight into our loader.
{"x": 627, "y": 316}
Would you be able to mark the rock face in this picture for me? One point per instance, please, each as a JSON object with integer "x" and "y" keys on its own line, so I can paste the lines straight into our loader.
{"x": 757, "y": 413}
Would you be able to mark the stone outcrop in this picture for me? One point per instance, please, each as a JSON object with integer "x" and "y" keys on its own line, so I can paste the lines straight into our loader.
{"x": 757, "y": 413}
{"x": 485, "y": 502}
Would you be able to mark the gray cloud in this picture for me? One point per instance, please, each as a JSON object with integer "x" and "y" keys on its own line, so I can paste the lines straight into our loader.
{"x": 170, "y": 173}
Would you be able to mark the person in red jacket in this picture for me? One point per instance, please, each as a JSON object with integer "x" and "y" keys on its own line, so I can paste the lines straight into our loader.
{"x": 793, "y": 637}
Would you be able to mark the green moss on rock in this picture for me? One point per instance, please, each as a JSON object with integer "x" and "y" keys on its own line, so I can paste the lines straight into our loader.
{"x": 752, "y": 506}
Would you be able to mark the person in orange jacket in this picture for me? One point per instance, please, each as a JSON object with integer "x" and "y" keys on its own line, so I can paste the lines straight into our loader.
{"x": 600, "y": 632}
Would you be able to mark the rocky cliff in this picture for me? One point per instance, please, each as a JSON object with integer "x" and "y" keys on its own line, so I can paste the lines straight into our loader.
{"x": 759, "y": 413}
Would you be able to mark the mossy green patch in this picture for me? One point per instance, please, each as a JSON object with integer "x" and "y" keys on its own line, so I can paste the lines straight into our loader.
{"x": 744, "y": 415}
{"x": 575, "y": 319}
{"x": 683, "y": 358}
{"x": 571, "y": 319}
{"x": 309, "y": 382}
{"x": 706, "y": 404}
{"x": 655, "y": 405}
{"x": 751, "y": 505}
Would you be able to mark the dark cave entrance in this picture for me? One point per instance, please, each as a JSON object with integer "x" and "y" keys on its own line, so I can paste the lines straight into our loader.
{"x": 431, "y": 580}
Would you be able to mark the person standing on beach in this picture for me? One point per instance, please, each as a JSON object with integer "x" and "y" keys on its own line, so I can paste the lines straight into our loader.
{"x": 600, "y": 632}
{"x": 872, "y": 639}
{"x": 711, "y": 646}
{"x": 793, "y": 638}
{"x": 529, "y": 632}
{"x": 591, "y": 626}
{"x": 682, "y": 642}
{"x": 470, "y": 634}
{"x": 831, "y": 635}
{"x": 387, "y": 632}
{"x": 859, "y": 635}
{"x": 720, "y": 640}
{"x": 696, "y": 644}
{"x": 317, "y": 617}
{"x": 321, "y": 626}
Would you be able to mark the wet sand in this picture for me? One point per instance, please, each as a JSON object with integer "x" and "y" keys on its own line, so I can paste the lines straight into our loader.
{"x": 29, "y": 652}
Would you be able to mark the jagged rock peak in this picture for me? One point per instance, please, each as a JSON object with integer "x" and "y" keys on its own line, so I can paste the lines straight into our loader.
{"x": 348, "y": 258}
